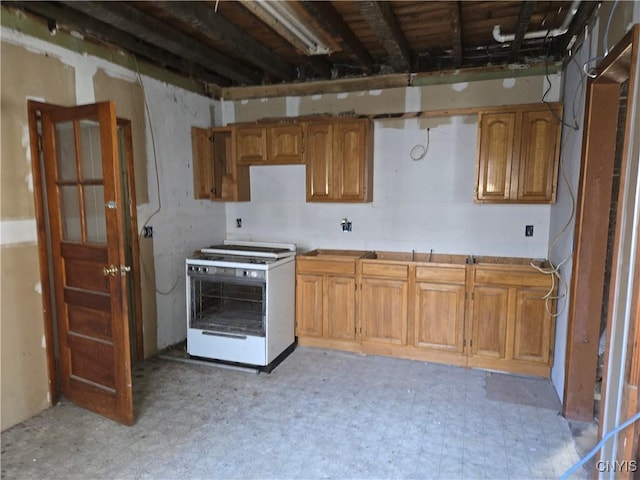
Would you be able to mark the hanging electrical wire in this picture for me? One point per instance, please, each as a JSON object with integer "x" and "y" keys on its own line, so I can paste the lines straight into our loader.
{"x": 418, "y": 152}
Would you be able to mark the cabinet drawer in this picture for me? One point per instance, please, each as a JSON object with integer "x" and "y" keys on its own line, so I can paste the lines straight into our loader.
{"x": 512, "y": 278}
{"x": 441, "y": 274}
{"x": 314, "y": 265}
{"x": 372, "y": 269}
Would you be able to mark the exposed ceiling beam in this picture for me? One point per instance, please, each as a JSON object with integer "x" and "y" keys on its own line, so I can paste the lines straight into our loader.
{"x": 122, "y": 40}
{"x": 330, "y": 20}
{"x": 526, "y": 10}
{"x": 132, "y": 21}
{"x": 380, "y": 17}
{"x": 215, "y": 27}
{"x": 456, "y": 34}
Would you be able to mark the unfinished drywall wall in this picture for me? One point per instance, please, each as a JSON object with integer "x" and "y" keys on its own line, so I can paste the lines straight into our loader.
{"x": 417, "y": 205}
{"x": 32, "y": 68}
{"x": 23, "y": 357}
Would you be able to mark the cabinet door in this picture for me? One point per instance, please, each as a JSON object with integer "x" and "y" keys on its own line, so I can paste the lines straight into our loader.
{"x": 251, "y": 147}
{"x": 439, "y": 316}
{"x": 538, "y": 156}
{"x": 383, "y": 315}
{"x": 349, "y": 160}
{"x": 532, "y": 328}
{"x": 340, "y": 307}
{"x": 318, "y": 156}
{"x": 495, "y": 155}
{"x": 309, "y": 305}
{"x": 202, "y": 163}
{"x": 489, "y": 320}
{"x": 284, "y": 144}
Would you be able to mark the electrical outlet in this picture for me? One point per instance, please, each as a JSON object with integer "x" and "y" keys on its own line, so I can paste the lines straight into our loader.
{"x": 147, "y": 232}
{"x": 346, "y": 225}
{"x": 238, "y": 223}
{"x": 528, "y": 231}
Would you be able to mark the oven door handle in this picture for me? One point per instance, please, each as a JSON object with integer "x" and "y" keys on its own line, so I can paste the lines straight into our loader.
{"x": 225, "y": 335}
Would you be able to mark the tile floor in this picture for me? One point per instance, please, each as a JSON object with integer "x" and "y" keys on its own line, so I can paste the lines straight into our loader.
{"x": 320, "y": 414}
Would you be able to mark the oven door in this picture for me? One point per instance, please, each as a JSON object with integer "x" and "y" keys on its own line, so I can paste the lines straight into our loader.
{"x": 227, "y": 317}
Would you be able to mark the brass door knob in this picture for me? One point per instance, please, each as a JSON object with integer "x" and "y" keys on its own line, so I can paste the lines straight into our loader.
{"x": 111, "y": 270}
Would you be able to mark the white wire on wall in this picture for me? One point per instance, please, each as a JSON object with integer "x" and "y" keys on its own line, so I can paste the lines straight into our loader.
{"x": 418, "y": 152}
{"x": 157, "y": 175}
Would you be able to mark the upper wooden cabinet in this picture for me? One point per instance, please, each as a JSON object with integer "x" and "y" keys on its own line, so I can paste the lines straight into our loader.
{"x": 339, "y": 159}
{"x": 277, "y": 144}
{"x": 518, "y": 152}
{"x": 216, "y": 175}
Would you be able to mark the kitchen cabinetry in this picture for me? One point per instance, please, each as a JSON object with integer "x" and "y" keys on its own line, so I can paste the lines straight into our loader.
{"x": 384, "y": 292}
{"x": 326, "y": 299}
{"x": 269, "y": 144}
{"x": 216, "y": 175}
{"x": 512, "y": 329}
{"x": 518, "y": 152}
{"x": 490, "y": 314}
{"x": 339, "y": 159}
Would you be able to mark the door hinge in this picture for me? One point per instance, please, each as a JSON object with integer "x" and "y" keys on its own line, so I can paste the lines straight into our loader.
{"x": 111, "y": 205}
{"x": 464, "y": 342}
{"x": 39, "y": 143}
{"x": 471, "y": 343}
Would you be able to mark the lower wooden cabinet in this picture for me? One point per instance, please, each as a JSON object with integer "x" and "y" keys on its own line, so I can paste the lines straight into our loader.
{"x": 511, "y": 322}
{"x": 326, "y": 300}
{"x": 487, "y": 316}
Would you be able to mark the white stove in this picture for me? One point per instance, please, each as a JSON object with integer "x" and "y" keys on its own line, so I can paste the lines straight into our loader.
{"x": 241, "y": 302}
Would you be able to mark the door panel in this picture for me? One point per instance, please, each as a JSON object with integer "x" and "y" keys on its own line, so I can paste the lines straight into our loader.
{"x": 497, "y": 132}
{"x": 532, "y": 342}
{"x": 384, "y": 312}
{"x": 340, "y": 308}
{"x": 318, "y": 156}
{"x": 490, "y": 310}
{"x": 309, "y": 305}
{"x": 439, "y": 316}
{"x": 349, "y": 160}
{"x": 82, "y": 172}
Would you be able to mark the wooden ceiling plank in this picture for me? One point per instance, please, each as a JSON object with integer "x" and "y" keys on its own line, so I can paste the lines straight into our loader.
{"x": 382, "y": 21}
{"x": 216, "y": 28}
{"x": 127, "y": 18}
{"x": 122, "y": 40}
{"x": 524, "y": 18}
{"x": 330, "y": 20}
{"x": 456, "y": 34}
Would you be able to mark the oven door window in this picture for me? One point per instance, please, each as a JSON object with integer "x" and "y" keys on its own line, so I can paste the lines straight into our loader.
{"x": 234, "y": 306}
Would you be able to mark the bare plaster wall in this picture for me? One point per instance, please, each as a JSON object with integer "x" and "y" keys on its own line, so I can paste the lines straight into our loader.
{"x": 25, "y": 75}
{"x": 417, "y": 204}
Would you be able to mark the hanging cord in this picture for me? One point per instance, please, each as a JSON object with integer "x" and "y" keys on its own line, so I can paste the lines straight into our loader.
{"x": 418, "y": 152}
{"x": 155, "y": 165}
{"x": 554, "y": 270}
{"x": 599, "y": 445}
{"x": 605, "y": 40}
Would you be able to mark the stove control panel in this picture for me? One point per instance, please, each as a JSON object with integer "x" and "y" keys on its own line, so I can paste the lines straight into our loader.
{"x": 225, "y": 271}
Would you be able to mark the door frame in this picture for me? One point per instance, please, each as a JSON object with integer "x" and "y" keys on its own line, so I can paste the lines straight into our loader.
{"x": 48, "y": 306}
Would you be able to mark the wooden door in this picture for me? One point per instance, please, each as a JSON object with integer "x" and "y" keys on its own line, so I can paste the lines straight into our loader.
{"x": 84, "y": 192}
{"x": 349, "y": 160}
{"x": 489, "y": 322}
{"x": 538, "y": 156}
{"x": 495, "y": 156}
{"x": 203, "y": 168}
{"x": 318, "y": 157}
{"x": 532, "y": 328}
{"x": 340, "y": 308}
{"x": 251, "y": 146}
{"x": 384, "y": 311}
{"x": 309, "y": 305}
{"x": 284, "y": 144}
{"x": 439, "y": 316}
